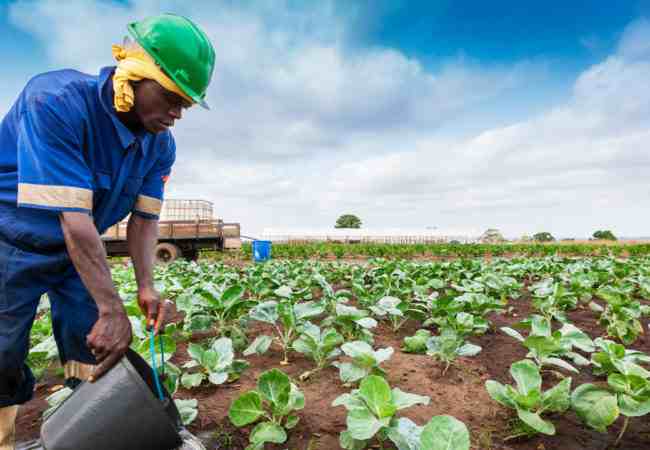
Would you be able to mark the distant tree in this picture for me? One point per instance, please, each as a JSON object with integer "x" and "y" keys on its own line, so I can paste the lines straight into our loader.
{"x": 544, "y": 236}
{"x": 525, "y": 238}
{"x": 348, "y": 221}
{"x": 492, "y": 236}
{"x": 605, "y": 235}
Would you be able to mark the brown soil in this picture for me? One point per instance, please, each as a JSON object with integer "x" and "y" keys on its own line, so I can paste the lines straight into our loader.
{"x": 460, "y": 393}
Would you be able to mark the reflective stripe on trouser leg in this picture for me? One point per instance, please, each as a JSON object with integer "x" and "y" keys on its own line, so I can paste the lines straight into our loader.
{"x": 8, "y": 427}
{"x": 79, "y": 370}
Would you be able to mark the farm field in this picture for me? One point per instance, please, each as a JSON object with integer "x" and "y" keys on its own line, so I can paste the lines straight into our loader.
{"x": 448, "y": 337}
{"x": 334, "y": 250}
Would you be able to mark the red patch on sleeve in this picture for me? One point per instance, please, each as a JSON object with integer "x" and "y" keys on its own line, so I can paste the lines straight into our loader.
{"x": 165, "y": 178}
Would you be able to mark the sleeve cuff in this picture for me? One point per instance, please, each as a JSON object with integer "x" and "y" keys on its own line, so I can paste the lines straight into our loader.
{"x": 145, "y": 215}
{"x": 148, "y": 206}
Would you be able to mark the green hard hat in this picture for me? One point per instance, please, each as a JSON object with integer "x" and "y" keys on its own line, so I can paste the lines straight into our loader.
{"x": 181, "y": 49}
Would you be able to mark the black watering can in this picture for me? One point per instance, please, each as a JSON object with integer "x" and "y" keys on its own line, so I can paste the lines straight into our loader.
{"x": 120, "y": 411}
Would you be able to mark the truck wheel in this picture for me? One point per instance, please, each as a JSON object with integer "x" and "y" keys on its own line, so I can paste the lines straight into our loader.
{"x": 166, "y": 253}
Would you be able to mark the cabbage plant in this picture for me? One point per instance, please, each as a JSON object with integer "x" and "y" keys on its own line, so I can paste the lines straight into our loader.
{"x": 465, "y": 324}
{"x": 599, "y": 407}
{"x": 330, "y": 297}
{"x": 465, "y": 313}
{"x": 621, "y": 315}
{"x": 448, "y": 346}
{"x": 275, "y": 401}
{"x": 627, "y": 392}
{"x": 416, "y": 343}
{"x": 547, "y": 347}
{"x": 365, "y": 361}
{"x": 478, "y": 304}
{"x": 321, "y": 346}
{"x": 528, "y": 399}
{"x": 287, "y": 319}
{"x": 217, "y": 364}
{"x": 372, "y": 416}
{"x": 226, "y": 306}
{"x": 553, "y": 299}
{"x": 188, "y": 409}
{"x": 353, "y": 323}
{"x": 440, "y": 433}
{"x": 42, "y": 355}
{"x": 397, "y": 312}
{"x": 612, "y": 357}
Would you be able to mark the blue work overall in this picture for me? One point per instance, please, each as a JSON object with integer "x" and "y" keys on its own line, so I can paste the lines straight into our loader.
{"x": 63, "y": 148}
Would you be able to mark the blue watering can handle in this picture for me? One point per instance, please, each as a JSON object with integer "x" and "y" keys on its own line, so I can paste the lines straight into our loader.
{"x": 152, "y": 350}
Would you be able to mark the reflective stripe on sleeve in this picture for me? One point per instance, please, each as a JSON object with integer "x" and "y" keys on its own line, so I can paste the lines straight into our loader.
{"x": 148, "y": 205}
{"x": 55, "y": 196}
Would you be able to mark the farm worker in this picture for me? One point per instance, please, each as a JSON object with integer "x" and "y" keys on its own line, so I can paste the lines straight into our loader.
{"x": 79, "y": 153}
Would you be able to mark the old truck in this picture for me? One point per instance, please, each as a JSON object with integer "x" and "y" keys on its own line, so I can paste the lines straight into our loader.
{"x": 185, "y": 228}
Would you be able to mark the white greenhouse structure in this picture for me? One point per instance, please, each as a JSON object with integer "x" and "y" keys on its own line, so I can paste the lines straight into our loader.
{"x": 369, "y": 235}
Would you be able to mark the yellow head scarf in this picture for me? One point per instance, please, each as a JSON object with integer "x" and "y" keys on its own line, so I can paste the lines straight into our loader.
{"x": 134, "y": 64}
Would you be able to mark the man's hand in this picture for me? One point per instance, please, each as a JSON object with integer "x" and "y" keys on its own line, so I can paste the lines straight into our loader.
{"x": 152, "y": 307}
{"x": 109, "y": 339}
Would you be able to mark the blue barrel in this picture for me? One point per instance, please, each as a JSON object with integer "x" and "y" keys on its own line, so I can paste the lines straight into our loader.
{"x": 261, "y": 251}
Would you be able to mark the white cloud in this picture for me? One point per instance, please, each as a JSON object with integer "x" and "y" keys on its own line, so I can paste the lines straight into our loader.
{"x": 303, "y": 128}
{"x": 587, "y": 157}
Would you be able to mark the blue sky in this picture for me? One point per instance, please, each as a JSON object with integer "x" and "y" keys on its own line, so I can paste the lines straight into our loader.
{"x": 572, "y": 33}
{"x": 568, "y": 35}
{"x": 19, "y": 46}
{"x": 519, "y": 115}
{"x": 498, "y": 31}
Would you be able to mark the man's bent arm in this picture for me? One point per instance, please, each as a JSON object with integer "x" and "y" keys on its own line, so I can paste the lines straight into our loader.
{"x": 111, "y": 335}
{"x": 142, "y": 236}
